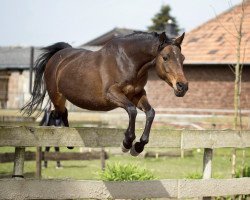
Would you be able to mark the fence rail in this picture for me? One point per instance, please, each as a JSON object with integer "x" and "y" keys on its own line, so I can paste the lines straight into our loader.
{"x": 55, "y": 156}
{"x": 75, "y": 189}
{"x": 21, "y": 137}
{"x": 108, "y": 137}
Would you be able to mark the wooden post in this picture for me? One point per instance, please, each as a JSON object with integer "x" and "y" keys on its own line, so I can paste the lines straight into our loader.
{"x": 18, "y": 162}
{"x": 38, "y": 162}
{"x": 31, "y": 68}
{"x": 207, "y": 166}
{"x": 103, "y": 158}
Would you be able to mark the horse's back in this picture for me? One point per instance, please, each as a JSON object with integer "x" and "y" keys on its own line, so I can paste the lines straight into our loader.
{"x": 76, "y": 75}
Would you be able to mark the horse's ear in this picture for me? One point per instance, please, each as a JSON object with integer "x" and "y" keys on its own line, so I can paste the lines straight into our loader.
{"x": 162, "y": 37}
{"x": 179, "y": 40}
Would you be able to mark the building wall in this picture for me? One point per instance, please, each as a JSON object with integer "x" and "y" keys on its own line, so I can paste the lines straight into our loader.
{"x": 210, "y": 87}
{"x": 18, "y": 89}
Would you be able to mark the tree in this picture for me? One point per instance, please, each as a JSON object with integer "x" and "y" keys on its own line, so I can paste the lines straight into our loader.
{"x": 237, "y": 35}
{"x": 237, "y": 83}
{"x": 161, "y": 18}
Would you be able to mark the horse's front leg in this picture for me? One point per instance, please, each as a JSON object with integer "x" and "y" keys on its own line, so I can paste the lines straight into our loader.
{"x": 116, "y": 96}
{"x": 142, "y": 103}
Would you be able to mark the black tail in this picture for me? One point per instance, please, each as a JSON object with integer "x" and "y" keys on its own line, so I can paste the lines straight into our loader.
{"x": 39, "y": 89}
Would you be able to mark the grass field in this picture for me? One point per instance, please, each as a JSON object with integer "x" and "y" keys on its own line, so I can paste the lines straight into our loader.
{"x": 162, "y": 168}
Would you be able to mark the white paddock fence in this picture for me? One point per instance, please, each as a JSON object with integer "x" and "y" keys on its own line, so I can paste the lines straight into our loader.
{"x": 21, "y": 188}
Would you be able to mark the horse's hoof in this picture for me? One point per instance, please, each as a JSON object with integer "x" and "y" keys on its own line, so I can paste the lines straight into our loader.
{"x": 70, "y": 147}
{"x": 133, "y": 152}
{"x": 124, "y": 149}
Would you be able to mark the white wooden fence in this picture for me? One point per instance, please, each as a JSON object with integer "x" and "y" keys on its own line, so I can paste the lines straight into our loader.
{"x": 21, "y": 137}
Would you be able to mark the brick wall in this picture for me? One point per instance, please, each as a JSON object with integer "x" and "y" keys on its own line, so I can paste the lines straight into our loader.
{"x": 210, "y": 87}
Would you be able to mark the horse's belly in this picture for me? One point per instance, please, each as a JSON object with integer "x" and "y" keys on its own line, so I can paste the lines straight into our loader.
{"x": 86, "y": 95}
{"x": 94, "y": 103}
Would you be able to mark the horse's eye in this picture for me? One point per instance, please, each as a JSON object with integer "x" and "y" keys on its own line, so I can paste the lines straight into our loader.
{"x": 166, "y": 58}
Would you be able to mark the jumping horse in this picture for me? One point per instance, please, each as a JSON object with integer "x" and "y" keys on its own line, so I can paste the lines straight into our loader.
{"x": 111, "y": 77}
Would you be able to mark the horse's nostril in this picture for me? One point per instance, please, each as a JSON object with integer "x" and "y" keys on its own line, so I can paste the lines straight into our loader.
{"x": 180, "y": 86}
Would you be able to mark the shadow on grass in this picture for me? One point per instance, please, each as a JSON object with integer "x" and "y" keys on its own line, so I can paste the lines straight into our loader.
{"x": 74, "y": 166}
{"x": 26, "y": 175}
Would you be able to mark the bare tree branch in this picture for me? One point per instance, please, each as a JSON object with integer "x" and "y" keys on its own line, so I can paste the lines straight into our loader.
{"x": 216, "y": 16}
{"x": 233, "y": 15}
{"x": 231, "y": 67}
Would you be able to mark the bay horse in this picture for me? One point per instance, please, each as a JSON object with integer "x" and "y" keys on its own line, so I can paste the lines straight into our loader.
{"x": 111, "y": 77}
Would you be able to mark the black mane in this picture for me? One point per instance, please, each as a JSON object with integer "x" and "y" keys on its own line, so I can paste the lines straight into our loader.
{"x": 163, "y": 39}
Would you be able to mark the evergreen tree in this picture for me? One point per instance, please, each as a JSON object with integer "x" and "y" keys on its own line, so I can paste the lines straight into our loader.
{"x": 161, "y": 18}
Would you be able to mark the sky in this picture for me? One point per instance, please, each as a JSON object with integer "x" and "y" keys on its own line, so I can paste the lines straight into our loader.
{"x": 44, "y": 22}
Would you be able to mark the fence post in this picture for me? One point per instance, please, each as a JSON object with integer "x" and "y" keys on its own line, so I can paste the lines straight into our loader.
{"x": 38, "y": 162}
{"x": 103, "y": 158}
{"x": 18, "y": 162}
{"x": 207, "y": 166}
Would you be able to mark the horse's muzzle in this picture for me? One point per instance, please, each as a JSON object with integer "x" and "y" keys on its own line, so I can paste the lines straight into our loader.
{"x": 181, "y": 89}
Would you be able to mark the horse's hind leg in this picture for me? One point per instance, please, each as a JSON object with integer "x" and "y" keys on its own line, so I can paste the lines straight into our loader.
{"x": 45, "y": 161}
{"x": 65, "y": 118}
{"x": 58, "y": 101}
{"x": 60, "y": 110}
{"x": 142, "y": 103}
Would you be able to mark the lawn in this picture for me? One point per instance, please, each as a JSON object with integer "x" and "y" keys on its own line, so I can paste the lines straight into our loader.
{"x": 162, "y": 168}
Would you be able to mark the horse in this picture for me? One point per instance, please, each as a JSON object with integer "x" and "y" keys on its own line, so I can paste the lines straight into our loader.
{"x": 111, "y": 77}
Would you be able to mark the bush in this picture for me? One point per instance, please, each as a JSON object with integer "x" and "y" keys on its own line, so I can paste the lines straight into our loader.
{"x": 126, "y": 172}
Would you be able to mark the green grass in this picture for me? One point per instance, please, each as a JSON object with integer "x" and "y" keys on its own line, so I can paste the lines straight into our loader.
{"x": 162, "y": 168}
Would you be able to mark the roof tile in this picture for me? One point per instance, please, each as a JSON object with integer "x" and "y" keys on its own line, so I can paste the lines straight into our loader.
{"x": 216, "y": 40}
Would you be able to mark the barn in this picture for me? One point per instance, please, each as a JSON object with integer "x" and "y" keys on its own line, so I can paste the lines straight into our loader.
{"x": 14, "y": 75}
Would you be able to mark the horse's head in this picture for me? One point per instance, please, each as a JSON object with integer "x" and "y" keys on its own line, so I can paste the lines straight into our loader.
{"x": 169, "y": 64}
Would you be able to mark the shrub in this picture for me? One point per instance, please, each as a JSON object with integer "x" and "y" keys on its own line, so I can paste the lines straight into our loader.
{"x": 125, "y": 172}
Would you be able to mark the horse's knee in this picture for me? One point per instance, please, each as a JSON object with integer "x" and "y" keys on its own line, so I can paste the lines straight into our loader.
{"x": 132, "y": 111}
{"x": 150, "y": 114}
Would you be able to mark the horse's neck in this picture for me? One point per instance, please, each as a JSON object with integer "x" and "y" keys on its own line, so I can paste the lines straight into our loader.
{"x": 144, "y": 69}
{"x": 138, "y": 53}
